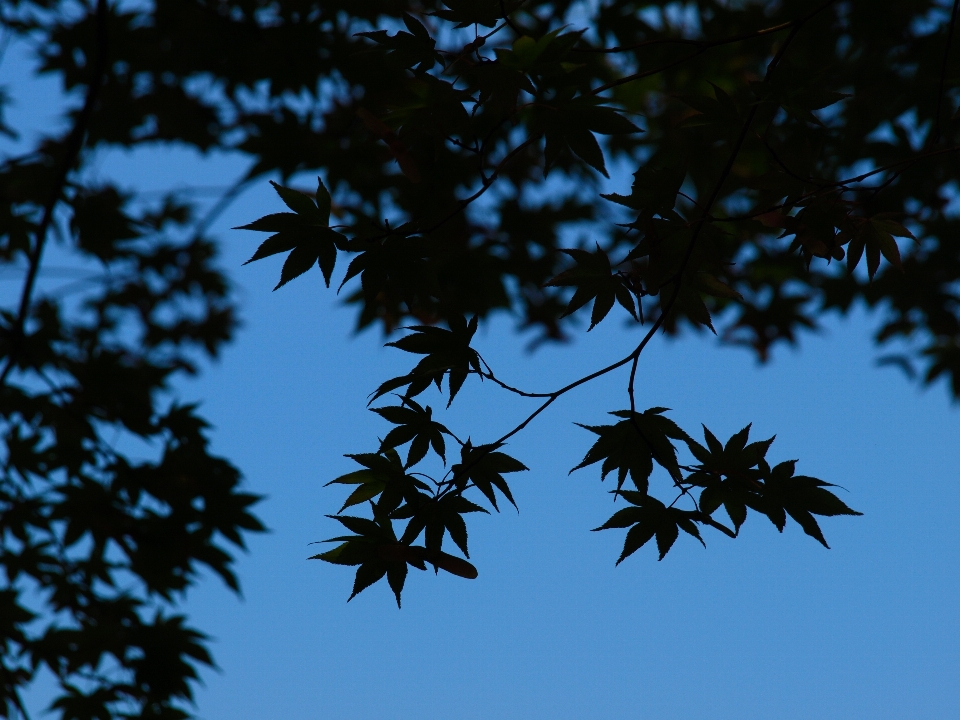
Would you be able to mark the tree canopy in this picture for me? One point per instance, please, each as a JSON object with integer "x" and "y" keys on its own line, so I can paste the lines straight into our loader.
{"x": 789, "y": 159}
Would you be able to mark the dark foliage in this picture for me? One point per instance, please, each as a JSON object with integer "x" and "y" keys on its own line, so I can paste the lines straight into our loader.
{"x": 791, "y": 159}
{"x": 111, "y": 504}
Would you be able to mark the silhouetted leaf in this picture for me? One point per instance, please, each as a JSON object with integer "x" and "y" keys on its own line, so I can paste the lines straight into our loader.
{"x": 631, "y": 446}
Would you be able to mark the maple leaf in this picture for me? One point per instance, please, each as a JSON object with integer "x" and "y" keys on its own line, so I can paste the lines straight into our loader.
{"x": 876, "y": 236}
{"x": 415, "y": 424}
{"x": 654, "y": 190}
{"x": 398, "y": 149}
{"x": 594, "y": 280}
{"x": 476, "y": 12}
{"x": 647, "y": 519}
{"x": 437, "y": 517}
{"x": 408, "y": 48}
{"x": 571, "y": 122}
{"x": 798, "y": 496}
{"x": 728, "y": 473}
{"x": 384, "y": 475}
{"x": 485, "y": 467}
{"x": 632, "y": 445}
{"x": 305, "y": 233}
{"x": 447, "y": 352}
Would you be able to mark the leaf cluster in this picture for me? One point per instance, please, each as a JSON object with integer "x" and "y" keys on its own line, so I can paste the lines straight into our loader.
{"x": 430, "y": 508}
{"x": 742, "y": 216}
{"x": 790, "y": 159}
{"x": 100, "y": 543}
{"x": 735, "y": 476}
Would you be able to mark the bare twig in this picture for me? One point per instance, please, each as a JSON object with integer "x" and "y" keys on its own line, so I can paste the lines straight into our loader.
{"x": 645, "y": 73}
{"x": 487, "y": 184}
{"x": 704, "y": 218}
{"x": 490, "y": 376}
{"x": 783, "y": 165}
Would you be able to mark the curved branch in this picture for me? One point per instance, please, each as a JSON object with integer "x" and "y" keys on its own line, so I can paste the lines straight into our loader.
{"x": 705, "y": 216}
{"x": 487, "y": 183}
{"x": 783, "y": 165}
{"x": 72, "y": 146}
{"x": 222, "y": 203}
{"x": 465, "y": 202}
{"x": 556, "y": 394}
{"x": 448, "y": 485}
{"x": 634, "y": 356}
{"x": 645, "y": 73}
{"x": 497, "y": 381}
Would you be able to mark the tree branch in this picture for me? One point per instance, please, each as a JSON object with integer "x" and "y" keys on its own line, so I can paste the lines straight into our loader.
{"x": 706, "y": 45}
{"x": 222, "y": 203}
{"x": 685, "y": 41}
{"x": 487, "y": 183}
{"x": 633, "y": 357}
{"x": 72, "y": 146}
{"x": 840, "y": 184}
{"x": 943, "y": 69}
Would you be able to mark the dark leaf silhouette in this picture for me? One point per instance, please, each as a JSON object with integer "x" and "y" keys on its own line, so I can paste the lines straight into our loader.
{"x": 632, "y": 445}
{"x": 788, "y": 161}
{"x": 304, "y": 232}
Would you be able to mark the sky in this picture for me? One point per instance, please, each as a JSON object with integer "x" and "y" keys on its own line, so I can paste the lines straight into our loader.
{"x": 767, "y": 626}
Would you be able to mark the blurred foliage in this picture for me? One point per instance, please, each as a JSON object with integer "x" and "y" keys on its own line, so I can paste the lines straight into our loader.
{"x": 111, "y": 504}
{"x": 790, "y": 159}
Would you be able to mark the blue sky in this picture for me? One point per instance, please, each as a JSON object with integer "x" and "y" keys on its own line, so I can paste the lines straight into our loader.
{"x": 767, "y": 626}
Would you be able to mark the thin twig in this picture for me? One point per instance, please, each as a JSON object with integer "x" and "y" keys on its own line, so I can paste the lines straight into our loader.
{"x": 497, "y": 381}
{"x": 554, "y": 396}
{"x": 633, "y": 357}
{"x": 487, "y": 184}
{"x": 645, "y": 73}
{"x": 783, "y": 165}
{"x": 705, "y": 216}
